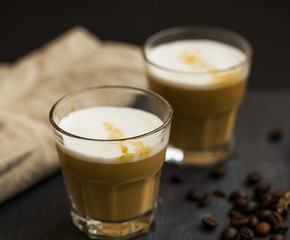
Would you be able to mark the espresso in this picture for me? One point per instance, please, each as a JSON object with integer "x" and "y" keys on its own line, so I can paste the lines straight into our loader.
{"x": 204, "y": 81}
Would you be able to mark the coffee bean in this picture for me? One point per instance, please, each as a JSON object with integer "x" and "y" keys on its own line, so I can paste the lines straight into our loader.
{"x": 281, "y": 228}
{"x": 193, "y": 195}
{"x": 263, "y": 214}
{"x": 238, "y": 194}
{"x": 254, "y": 177}
{"x": 276, "y": 195}
{"x": 262, "y": 189}
{"x": 209, "y": 222}
{"x": 239, "y": 203}
{"x": 239, "y": 221}
{"x": 253, "y": 221}
{"x": 218, "y": 171}
{"x": 220, "y": 193}
{"x": 277, "y": 237}
{"x": 205, "y": 200}
{"x": 267, "y": 201}
{"x": 246, "y": 233}
{"x": 250, "y": 207}
{"x": 234, "y": 212}
{"x": 176, "y": 179}
{"x": 276, "y": 134}
{"x": 229, "y": 233}
{"x": 262, "y": 228}
{"x": 275, "y": 218}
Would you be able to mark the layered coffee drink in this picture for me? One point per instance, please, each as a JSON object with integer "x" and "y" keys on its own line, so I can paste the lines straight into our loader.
{"x": 204, "y": 80}
{"x": 116, "y": 182}
{"x": 111, "y": 158}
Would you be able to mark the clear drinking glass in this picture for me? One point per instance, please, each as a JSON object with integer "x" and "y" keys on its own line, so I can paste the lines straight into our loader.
{"x": 203, "y": 124}
{"x": 112, "y": 200}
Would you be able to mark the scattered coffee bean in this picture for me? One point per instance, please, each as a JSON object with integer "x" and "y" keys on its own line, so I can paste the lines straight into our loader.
{"x": 281, "y": 228}
{"x": 274, "y": 218}
{"x": 209, "y": 222}
{"x": 277, "y": 237}
{"x": 205, "y": 200}
{"x": 218, "y": 171}
{"x": 253, "y": 221}
{"x": 246, "y": 233}
{"x": 267, "y": 202}
{"x": 278, "y": 194}
{"x": 254, "y": 177}
{"x": 229, "y": 233}
{"x": 262, "y": 228}
{"x": 193, "y": 195}
{"x": 276, "y": 134}
{"x": 263, "y": 214}
{"x": 250, "y": 207}
{"x": 239, "y": 221}
{"x": 262, "y": 189}
{"x": 239, "y": 203}
{"x": 234, "y": 212}
{"x": 246, "y": 214}
{"x": 176, "y": 179}
{"x": 220, "y": 193}
{"x": 238, "y": 194}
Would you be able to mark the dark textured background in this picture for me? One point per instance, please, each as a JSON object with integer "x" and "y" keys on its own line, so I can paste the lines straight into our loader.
{"x": 42, "y": 212}
{"x": 26, "y": 25}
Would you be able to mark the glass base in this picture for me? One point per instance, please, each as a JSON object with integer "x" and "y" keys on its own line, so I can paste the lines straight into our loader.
{"x": 199, "y": 158}
{"x": 96, "y": 229}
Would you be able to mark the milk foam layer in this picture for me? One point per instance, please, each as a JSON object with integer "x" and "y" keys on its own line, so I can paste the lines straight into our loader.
{"x": 196, "y": 59}
{"x": 106, "y": 123}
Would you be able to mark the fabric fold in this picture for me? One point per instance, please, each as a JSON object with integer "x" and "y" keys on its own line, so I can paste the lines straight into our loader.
{"x": 30, "y": 87}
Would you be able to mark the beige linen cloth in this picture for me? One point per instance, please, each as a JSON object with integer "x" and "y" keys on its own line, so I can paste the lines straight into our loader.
{"x": 33, "y": 84}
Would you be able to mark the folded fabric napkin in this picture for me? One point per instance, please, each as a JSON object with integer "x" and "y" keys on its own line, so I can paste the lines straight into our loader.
{"x": 33, "y": 84}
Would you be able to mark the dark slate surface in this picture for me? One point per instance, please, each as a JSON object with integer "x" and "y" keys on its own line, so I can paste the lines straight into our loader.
{"x": 43, "y": 213}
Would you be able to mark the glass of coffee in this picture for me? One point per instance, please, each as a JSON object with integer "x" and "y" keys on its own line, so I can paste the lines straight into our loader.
{"x": 202, "y": 71}
{"x": 111, "y": 142}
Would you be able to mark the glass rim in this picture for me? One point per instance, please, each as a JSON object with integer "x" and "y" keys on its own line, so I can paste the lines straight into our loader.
{"x": 187, "y": 28}
{"x": 81, "y": 91}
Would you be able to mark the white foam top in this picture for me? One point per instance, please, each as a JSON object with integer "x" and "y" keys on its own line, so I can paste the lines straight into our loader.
{"x": 108, "y": 123}
{"x": 194, "y": 56}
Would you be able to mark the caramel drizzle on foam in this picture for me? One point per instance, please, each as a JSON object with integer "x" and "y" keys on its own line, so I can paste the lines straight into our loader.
{"x": 218, "y": 78}
{"x": 140, "y": 150}
{"x": 193, "y": 60}
{"x": 114, "y": 133}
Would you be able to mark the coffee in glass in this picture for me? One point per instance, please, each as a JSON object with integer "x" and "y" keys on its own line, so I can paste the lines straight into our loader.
{"x": 111, "y": 143}
{"x": 202, "y": 72}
